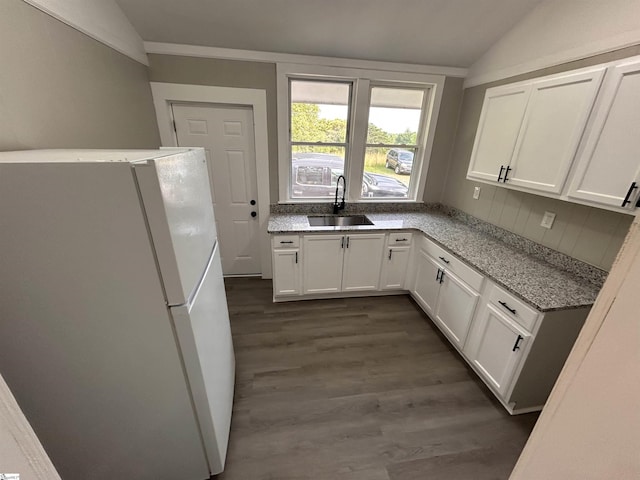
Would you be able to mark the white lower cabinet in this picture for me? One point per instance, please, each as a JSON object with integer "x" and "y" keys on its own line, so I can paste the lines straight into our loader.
{"x": 496, "y": 347}
{"x": 456, "y": 305}
{"x": 519, "y": 351}
{"x": 286, "y": 260}
{"x": 427, "y": 282}
{"x": 443, "y": 294}
{"x": 394, "y": 268}
{"x": 362, "y": 262}
{"x": 341, "y": 263}
{"x": 319, "y": 265}
{"x": 322, "y": 264}
{"x": 286, "y": 263}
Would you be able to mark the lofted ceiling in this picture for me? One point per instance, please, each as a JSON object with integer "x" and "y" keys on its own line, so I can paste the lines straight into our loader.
{"x": 429, "y": 32}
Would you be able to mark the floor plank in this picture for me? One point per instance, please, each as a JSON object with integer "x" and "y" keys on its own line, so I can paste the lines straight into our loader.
{"x": 357, "y": 389}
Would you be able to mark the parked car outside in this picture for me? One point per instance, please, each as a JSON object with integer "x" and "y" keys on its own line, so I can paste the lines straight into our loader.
{"x": 401, "y": 161}
{"x": 316, "y": 175}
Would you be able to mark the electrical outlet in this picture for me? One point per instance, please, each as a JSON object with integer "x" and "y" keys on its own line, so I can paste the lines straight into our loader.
{"x": 476, "y": 193}
{"x": 547, "y": 220}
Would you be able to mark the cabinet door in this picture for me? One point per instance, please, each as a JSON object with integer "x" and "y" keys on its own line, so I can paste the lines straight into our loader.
{"x": 286, "y": 272}
{"x": 362, "y": 262}
{"x": 322, "y": 263}
{"x": 456, "y": 305}
{"x": 553, "y": 124}
{"x": 394, "y": 268}
{"x": 491, "y": 347}
{"x": 610, "y": 158}
{"x": 426, "y": 286}
{"x": 502, "y": 113}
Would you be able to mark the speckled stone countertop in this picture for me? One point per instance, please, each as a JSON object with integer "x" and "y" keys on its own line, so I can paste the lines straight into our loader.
{"x": 540, "y": 284}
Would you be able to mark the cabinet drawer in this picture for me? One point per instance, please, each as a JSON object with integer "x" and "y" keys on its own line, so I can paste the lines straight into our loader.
{"x": 449, "y": 262}
{"x": 513, "y": 307}
{"x": 399, "y": 239}
{"x": 286, "y": 241}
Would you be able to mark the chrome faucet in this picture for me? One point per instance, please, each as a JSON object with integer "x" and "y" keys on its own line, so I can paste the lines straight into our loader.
{"x": 337, "y": 206}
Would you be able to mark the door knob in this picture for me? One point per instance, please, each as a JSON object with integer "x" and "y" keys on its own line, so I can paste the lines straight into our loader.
{"x": 253, "y": 214}
{"x": 252, "y": 202}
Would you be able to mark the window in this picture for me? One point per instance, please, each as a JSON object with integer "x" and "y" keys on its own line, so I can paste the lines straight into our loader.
{"x": 392, "y": 141}
{"x": 319, "y": 131}
{"x": 372, "y": 127}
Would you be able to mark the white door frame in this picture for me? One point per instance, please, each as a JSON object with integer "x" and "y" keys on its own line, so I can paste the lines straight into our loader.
{"x": 166, "y": 93}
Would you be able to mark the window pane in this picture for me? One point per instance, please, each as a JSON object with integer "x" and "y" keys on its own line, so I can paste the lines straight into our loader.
{"x": 319, "y": 111}
{"x": 394, "y": 116}
{"x": 387, "y": 172}
{"x": 315, "y": 170}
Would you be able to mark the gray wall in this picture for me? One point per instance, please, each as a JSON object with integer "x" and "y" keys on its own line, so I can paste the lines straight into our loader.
{"x": 61, "y": 89}
{"x": 589, "y": 234}
{"x": 444, "y": 138}
{"x": 226, "y": 73}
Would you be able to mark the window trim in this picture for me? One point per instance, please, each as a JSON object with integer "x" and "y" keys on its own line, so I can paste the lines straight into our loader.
{"x": 362, "y": 80}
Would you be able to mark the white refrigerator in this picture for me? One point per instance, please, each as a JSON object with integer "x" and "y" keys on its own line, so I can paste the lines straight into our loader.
{"x": 114, "y": 327}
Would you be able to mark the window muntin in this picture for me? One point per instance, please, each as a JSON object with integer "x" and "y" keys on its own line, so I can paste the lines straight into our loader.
{"x": 392, "y": 145}
{"x": 320, "y": 111}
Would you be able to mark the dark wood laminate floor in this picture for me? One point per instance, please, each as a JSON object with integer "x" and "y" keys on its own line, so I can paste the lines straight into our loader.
{"x": 358, "y": 389}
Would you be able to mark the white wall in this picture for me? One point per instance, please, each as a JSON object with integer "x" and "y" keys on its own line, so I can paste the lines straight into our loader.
{"x": 100, "y": 19}
{"x": 589, "y": 427}
{"x": 20, "y": 450}
{"x": 558, "y": 31}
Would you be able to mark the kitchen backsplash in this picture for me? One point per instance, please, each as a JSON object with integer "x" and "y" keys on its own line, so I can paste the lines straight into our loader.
{"x": 351, "y": 208}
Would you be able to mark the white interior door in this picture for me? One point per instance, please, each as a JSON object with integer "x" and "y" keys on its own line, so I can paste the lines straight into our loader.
{"x": 226, "y": 133}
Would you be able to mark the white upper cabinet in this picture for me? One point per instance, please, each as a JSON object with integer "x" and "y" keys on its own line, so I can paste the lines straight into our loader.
{"x": 555, "y": 118}
{"x": 530, "y": 133}
{"x": 502, "y": 113}
{"x": 608, "y": 164}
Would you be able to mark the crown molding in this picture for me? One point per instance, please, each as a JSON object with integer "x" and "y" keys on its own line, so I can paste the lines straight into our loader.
{"x": 273, "y": 57}
{"x": 611, "y": 44}
{"x": 101, "y": 20}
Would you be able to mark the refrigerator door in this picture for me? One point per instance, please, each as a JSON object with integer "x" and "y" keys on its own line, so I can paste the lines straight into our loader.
{"x": 177, "y": 201}
{"x": 204, "y": 335}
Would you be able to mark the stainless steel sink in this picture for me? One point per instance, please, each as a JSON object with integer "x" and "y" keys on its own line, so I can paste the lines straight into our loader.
{"x": 338, "y": 221}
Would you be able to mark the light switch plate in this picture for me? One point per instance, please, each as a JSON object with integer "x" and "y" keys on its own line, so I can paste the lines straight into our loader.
{"x": 476, "y": 193}
{"x": 547, "y": 220}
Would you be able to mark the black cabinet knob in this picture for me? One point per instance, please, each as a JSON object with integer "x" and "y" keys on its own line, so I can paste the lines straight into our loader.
{"x": 253, "y": 214}
{"x": 252, "y": 202}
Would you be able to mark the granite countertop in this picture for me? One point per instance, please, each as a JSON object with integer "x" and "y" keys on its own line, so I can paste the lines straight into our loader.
{"x": 539, "y": 283}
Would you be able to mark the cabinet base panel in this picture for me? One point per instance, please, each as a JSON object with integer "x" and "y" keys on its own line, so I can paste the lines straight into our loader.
{"x": 297, "y": 298}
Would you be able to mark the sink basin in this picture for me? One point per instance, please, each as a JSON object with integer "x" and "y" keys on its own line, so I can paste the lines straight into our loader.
{"x": 338, "y": 221}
